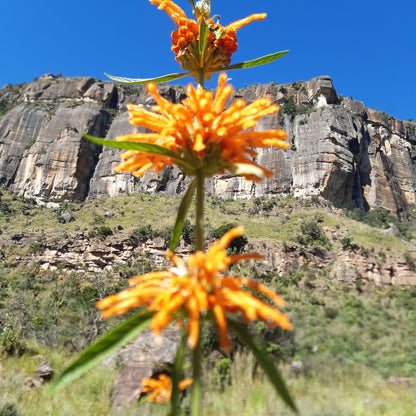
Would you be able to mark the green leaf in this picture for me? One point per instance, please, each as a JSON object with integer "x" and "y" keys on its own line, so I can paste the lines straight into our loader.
{"x": 255, "y": 62}
{"x": 177, "y": 375}
{"x": 246, "y": 169}
{"x": 140, "y": 147}
{"x": 180, "y": 218}
{"x": 203, "y": 38}
{"x": 110, "y": 342}
{"x": 144, "y": 399}
{"x": 264, "y": 360}
{"x": 192, "y": 4}
{"x": 137, "y": 81}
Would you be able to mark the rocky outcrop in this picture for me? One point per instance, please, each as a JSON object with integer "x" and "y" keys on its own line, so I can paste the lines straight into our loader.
{"x": 81, "y": 252}
{"x": 342, "y": 151}
{"x": 397, "y": 271}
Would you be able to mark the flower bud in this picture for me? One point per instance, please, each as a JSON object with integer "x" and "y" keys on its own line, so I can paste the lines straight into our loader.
{"x": 202, "y": 9}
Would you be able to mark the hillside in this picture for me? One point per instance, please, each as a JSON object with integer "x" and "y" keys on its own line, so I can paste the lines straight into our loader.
{"x": 353, "y": 317}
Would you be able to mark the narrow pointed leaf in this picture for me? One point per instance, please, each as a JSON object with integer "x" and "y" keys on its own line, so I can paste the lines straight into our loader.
{"x": 203, "y": 38}
{"x": 109, "y": 343}
{"x": 255, "y": 62}
{"x": 264, "y": 360}
{"x": 177, "y": 375}
{"x": 180, "y": 218}
{"x": 138, "y": 81}
{"x": 140, "y": 147}
{"x": 192, "y": 4}
{"x": 246, "y": 169}
{"x": 144, "y": 399}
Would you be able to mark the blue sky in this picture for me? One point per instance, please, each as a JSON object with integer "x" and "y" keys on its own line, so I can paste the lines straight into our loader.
{"x": 366, "y": 46}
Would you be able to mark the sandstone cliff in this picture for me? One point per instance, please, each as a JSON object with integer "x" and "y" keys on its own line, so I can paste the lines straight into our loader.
{"x": 342, "y": 151}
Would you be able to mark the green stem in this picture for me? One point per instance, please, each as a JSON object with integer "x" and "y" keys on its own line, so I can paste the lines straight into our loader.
{"x": 201, "y": 79}
{"x": 199, "y": 245}
{"x": 199, "y": 214}
{"x": 196, "y": 375}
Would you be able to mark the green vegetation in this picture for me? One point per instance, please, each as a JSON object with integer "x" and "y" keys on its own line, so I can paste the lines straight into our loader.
{"x": 381, "y": 218}
{"x": 4, "y": 108}
{"x": 283, "y": 219}
{"x": 8, "y": 98}
{"x": 291, "y": 108}
{"x": 349, "y": 338}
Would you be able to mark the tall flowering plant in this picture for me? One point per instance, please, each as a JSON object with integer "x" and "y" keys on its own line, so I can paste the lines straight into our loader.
{"x": 202, "y": 138}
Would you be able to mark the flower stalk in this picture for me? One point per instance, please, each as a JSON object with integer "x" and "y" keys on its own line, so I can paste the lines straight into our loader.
{"x": 196, "y": 375}
{"x": 199, "y": 212}
{"x": 201, "y": 79}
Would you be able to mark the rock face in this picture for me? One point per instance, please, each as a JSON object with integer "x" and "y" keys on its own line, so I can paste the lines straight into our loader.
{"x": 42, "y": 154}
{"x": 144, "y": 357}
{"x": 342, "y": 151}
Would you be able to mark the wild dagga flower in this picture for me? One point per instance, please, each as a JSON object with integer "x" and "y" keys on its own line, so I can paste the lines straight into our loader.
{"x": 189, "y": 290}
{"x": 220, "y": 43}
{"x": 202, "y": 46}
{"x": 161, "y": 388}
{"x": 198, "y": 135}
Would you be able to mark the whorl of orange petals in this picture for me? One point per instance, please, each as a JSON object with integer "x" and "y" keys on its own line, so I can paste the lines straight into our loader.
{"x": 189, "y": 290}
{"x": 203, "y": 136}
{"x": 221, "y": 43}
{"x": 161, "y": 388}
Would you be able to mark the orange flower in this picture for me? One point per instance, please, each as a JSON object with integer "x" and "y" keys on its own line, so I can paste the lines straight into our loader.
{"x": 201, "y": 134}
{"x": 194, "y": 288}
{"x": 221, "y": 42}
{"x": 161, "y": 389}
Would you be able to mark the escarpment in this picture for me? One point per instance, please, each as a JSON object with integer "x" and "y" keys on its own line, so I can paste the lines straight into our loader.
{"x": 340, "y": 150}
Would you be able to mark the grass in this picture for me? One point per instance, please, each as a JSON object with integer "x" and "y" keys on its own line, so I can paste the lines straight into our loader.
{"x": 278, "y": 220}
{"x": 128, "y": 210}
{"x": 343, "y": 393}
{"x": 88, "y": 396}
{"x": 245, "y": 391}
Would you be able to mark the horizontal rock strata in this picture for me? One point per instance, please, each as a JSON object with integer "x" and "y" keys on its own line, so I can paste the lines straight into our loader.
{"x": 79, "y": 252}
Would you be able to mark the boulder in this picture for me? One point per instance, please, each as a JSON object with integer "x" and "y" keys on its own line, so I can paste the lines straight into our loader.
{"x": 142, "y": 358}
{"x": 44, "y": 371}
{"x": 66, "y": 217}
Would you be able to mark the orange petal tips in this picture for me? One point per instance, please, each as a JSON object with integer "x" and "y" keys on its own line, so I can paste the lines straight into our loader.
{"x": 160, "y": 389}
